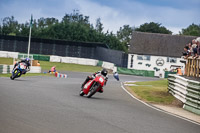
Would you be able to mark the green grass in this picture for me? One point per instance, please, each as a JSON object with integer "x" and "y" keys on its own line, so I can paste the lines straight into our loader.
{"x": 68, "y": 67}
{"x": 6, "y": 61}
{"x": 46, "y": 65}
{"x": 27, "y": 74}
{"x": 153, "y": 92}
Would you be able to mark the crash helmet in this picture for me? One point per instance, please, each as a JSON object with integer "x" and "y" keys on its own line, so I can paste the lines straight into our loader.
{"x": 27, "y": 60}
{"x": 104, "y": 72}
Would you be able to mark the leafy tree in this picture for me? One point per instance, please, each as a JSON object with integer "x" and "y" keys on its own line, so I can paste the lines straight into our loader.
{"x": 191, "y": 30}
{"x": 72, "y": 27}
{"x": 153, "y": 28}
{"x": 10, "y": 26}
{"x": 99, "y": 26}
{"x": 124, "y": 34}
{"x": 24, "y": 29}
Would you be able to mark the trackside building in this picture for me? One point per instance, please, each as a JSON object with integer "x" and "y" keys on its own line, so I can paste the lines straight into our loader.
{"x": 158, "y": 53}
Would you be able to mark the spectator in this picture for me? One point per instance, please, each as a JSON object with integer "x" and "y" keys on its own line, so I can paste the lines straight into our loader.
{"x": 53, "y": 69}
{"x": 179, "y": 72}
{"x": 194, "y": 48}
{"x": 190, "y": 47}
{"x": 186, "y": 52}
{"x": 198, "y": 46}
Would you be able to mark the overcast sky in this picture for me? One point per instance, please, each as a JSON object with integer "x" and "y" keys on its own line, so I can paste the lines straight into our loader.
{"x": 173, "y": 14}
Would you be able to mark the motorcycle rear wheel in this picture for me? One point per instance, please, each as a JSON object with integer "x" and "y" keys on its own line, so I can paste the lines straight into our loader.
{"x": 15, "y": 75}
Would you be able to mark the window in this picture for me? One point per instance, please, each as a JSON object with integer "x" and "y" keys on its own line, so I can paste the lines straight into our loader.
{"x": 147, "y": 57}
{"x": 144, "y": 57}
{"x": 139, "y": 57}
{"x": 171, "y": 60}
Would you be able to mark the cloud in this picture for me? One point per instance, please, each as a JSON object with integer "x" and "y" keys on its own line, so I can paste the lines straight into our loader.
{"x": 136, "y": 13}
{"x": 22, "y": 9}
{"x": 114, "y": 14}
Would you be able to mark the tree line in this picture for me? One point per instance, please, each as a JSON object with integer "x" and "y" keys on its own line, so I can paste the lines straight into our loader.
{"x": 77, "y": 27}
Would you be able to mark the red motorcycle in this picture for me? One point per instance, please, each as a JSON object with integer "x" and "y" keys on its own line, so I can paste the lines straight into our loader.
{"x": 93, "y": 86}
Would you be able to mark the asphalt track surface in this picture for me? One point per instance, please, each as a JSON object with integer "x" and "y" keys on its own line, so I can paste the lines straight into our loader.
{"x": 53, "y": 105}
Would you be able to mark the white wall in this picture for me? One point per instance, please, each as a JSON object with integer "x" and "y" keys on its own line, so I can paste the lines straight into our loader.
{"x": 8, "y": 54}
{"x": 81, "y": 61}
{"x": 151, "y": 64}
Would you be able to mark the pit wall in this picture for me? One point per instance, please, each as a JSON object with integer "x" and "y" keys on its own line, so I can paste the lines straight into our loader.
{"x": 187, "y": 91}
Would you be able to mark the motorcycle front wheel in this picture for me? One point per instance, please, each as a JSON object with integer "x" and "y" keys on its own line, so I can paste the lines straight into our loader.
{"x": 93, "y": 89}
{"x": 81, "y": 93}
{"x": 16, "y": 74}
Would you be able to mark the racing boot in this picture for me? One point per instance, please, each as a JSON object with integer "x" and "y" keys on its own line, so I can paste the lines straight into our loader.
{"x": 101, "y": 90}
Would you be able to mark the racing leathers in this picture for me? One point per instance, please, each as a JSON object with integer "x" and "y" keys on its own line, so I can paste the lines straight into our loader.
{"x": 92, "y": 77}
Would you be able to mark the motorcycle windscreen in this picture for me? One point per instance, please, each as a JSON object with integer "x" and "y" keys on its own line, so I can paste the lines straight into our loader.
{"x": 22, "y": 66}
{"x": 100, "y": 80}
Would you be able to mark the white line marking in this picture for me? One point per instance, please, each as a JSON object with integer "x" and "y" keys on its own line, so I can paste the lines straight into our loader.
{"x": 158, "y": 108}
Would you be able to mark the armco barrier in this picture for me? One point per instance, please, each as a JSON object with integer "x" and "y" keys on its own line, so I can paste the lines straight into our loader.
{"x": 187, "y": 91}
{"x": 135, "y": 72}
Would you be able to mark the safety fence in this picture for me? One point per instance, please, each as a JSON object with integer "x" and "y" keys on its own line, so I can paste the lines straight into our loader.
{"x": 89, "y": 50}
{"x": 193, "y": 67}
{"x": 187, "y": 91}
{"x": 145, "y": 73}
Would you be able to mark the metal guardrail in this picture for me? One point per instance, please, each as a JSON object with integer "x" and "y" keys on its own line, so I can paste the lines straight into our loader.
{"x": 187, "y": 91}
{"x": 193, "y": 67}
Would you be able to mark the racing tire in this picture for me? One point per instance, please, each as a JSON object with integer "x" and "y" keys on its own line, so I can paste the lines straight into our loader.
{"x": 16, "y": 74}
{"x": 12, "y": 78}
{"x": 81, "y": 93}
{"x": 93, "y": 90}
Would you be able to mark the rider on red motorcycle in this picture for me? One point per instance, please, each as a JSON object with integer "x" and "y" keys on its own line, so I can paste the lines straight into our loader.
{"x": 103, "y": 72}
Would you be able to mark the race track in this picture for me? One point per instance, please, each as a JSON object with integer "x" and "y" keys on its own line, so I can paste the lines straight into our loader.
{"x": 53, "y": 105}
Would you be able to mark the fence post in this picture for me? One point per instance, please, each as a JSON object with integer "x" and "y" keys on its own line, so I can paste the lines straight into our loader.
{"x": 193, "y": 67}
{"x": 188, "y": 67}
{"x": 198, "y": 66}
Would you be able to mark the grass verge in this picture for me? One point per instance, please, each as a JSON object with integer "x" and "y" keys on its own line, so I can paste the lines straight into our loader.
{"x": 27, "y": 74}
{"x": 46, "y": 65}
{"x": 6, "y": 61}
{"x": 155, "y": 92}
{"x": 68, "y": 67}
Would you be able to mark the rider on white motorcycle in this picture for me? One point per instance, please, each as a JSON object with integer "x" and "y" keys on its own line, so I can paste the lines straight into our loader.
{"x": 103, "y": 72}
